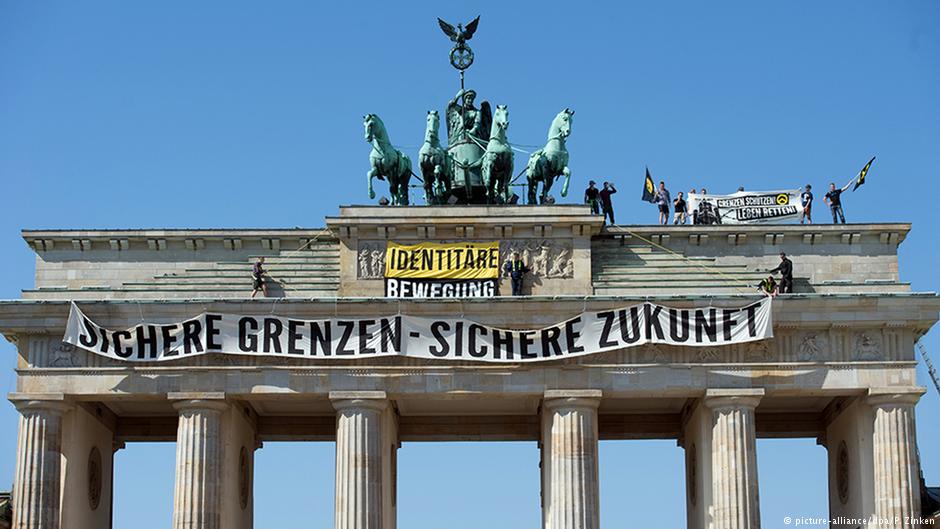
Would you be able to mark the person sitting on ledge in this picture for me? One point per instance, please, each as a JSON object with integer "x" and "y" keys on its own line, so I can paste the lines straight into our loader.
{"x": 786, "y": 274}
{"x": 516, "y": 269}
{"x": 768, "y": 286}
{"x": 257, "y": 278}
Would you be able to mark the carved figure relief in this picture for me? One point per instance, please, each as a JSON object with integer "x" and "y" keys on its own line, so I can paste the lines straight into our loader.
{"x": 867, "y": 347}
{"x": 842, "y": 473}
{"x": 654, "y": 353}
{"x": 371, "y": 260}
{"x": 708, "y": 354}
{"x": 94, "y": 478}
{"x": 759, "y": 351}
{"x": 809, "y": 348}
{"x": 547, "y": 258}
{"x": 61, "y": 356}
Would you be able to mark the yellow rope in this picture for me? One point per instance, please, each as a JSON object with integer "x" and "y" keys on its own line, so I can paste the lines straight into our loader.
{"x": 684, "y": 258}
{"x": 298, "y": 250}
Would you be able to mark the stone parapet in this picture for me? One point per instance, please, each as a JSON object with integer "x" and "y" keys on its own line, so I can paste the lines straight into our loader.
{"x": 570, "y": 252}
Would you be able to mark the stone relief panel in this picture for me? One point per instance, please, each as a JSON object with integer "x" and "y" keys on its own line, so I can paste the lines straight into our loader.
{"x": 813, "y": 347}
{"x": 62, "y": 355}
{"x": 867, "y": 346}
{"x": 371, "y": 260}
{"x": 550, "y": 259}
{"x": 654, "y": 353}
{"x": 708, "y": 354}
{"x": 758, "y": 351}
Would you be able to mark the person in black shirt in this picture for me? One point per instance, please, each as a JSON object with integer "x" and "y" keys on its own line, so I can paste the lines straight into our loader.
{"x": 786, "y": 274}
{"x": 834, "y": 199}
{"x": 806, "y": 200}
{"x": 606, "y": 204}
{"x": 590, "y": 197}
{"x": 680, "y": 210}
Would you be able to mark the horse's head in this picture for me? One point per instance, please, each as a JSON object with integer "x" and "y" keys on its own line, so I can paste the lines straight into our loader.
{"x": 500, "y": 121}
{"x": 374, "y": 127}
{"x": 434, "y": 121}
{"x": 561, "y": 125}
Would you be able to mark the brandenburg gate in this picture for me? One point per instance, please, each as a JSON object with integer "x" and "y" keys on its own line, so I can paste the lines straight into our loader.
{"x": 624, "y": 332}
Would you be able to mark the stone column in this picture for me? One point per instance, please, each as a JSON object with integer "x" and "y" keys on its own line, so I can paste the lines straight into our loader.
{"x": 894, "y": 444}
{"x": 734, "y": 458}
{"x": 570, "y": 497}
{"x": 359, "y": 451}
{"x": 36, "y": 486}
{"x": 196, "y": 502}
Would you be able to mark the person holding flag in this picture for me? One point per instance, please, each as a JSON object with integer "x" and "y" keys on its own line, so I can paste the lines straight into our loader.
{"x": 834, "y": 196}
{"x": 663, "y": 199}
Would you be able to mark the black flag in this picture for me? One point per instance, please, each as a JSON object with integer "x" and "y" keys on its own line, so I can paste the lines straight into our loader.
{"x": 649, "y": 190}
{"x": 861, "y": 176}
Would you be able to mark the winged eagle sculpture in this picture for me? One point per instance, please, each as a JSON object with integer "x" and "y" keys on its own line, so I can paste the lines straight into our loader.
{"x": 460, "y": 34}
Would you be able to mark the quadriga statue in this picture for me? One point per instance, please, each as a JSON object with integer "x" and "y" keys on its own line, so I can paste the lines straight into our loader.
{"x": 387, "y": 162}
{"x": 498, "y": 159}
{"x": 551, "y": 161}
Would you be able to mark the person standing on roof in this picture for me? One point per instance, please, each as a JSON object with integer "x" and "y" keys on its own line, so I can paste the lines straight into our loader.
{"x": 591, "y": 198}
{"x": 606, "y": 204}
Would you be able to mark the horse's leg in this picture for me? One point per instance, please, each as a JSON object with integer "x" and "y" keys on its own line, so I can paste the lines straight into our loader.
{"x": 564, "y": 188}
{"x": 369, "y": 176}
{"x": 403, "y": 180}
{"x": 393, "y": 191}
{"x": 428, "y": 188}
{"x": 486, "y": 172}
{"x": 546, "y": 187}
{"x": 533, "y": 188}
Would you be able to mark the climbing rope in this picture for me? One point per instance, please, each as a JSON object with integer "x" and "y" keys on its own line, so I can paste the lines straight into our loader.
{"x": 289, "y": 254}
{"x": 708, "y": 269}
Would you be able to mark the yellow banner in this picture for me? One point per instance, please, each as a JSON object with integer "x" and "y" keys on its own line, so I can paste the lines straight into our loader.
{"x": 428, "y": 260}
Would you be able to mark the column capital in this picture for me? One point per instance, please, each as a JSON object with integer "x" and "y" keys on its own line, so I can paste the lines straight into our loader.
{"x": 733, "y": 398}
{"x": 48, "y": 402}
{"x": 373, "y": 400}
{"x": 894, "y": 396}
{"x": 572, "y": 398}
{"x": 195, "y": 400}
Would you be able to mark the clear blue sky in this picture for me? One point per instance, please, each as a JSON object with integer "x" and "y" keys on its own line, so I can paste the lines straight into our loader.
{"x": 232, "y": 114}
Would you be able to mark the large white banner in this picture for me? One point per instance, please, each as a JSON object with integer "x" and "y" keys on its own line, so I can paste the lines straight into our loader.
{"x": 746, "y": 207}
{"x": 442, "y": 338}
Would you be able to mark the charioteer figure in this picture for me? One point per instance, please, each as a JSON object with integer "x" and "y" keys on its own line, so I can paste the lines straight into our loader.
{"x": 468, "y": 132}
